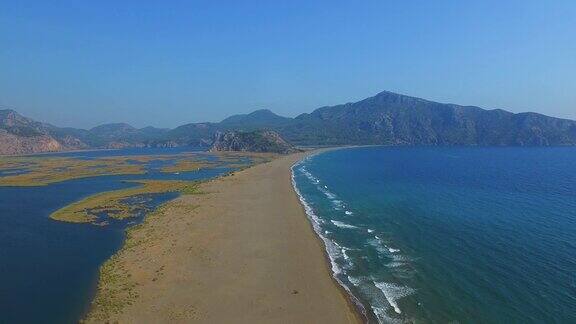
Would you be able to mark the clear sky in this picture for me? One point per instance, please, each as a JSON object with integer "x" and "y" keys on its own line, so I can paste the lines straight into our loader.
{"x": 165, "y": 63}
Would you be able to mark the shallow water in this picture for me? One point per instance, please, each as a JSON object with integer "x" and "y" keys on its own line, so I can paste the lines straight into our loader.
{"x": 48, "y": 269}
{"x": 449, "y": 234}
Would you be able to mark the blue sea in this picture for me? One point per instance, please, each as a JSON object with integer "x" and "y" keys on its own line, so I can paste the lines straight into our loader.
{"x": 448, "y": 235}
{"x": 49, "y": 269}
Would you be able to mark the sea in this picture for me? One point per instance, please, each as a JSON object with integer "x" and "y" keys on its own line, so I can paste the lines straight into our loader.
{"x": 448, "y": 235}
{"x": 49, "y": 269}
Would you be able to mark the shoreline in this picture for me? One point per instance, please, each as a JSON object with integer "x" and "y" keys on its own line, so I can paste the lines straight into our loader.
{"x": 318, "y": 295}
{"x": 353, "y": 302}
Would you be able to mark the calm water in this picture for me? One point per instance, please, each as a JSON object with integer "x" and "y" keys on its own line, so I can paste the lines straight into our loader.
{"x": 48, "y": 269}
{"x": 449, "y": 235}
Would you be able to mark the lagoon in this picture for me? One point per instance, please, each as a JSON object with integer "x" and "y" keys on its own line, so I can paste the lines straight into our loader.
{"x": 49, "y": 269}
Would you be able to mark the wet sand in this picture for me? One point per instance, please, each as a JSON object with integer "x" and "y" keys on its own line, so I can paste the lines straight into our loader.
{"x": 243, "y": 251}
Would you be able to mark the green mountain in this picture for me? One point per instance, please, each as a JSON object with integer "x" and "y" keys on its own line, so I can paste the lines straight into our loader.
{"x": 393, "y": 119}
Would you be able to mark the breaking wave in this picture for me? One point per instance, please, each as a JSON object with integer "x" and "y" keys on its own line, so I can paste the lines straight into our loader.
{"x": 333, "y": 250}
{"x": 381, "y": 296}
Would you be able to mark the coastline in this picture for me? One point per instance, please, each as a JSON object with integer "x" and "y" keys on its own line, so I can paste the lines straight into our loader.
{"x": 353, "y": 302}
{"x": 213, "y": 256}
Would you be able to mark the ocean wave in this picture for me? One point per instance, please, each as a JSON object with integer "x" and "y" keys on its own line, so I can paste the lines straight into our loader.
{"x": 378, "y": 304}
{"x": 380, "y": 243}
{"x": 309, "y": 175}
{"x": 349, "y": 262}
{"x": 345, "y": 254}
{"x": 348, "y": 213}
{"x": 331, "y": 246}
{"x": 342, "y": 224}
{"x": 338, "y": 204}
{"x": 380, "y": 313}
{"x": 355, "y": 281}
{"x": 329, "y": 194}
{"x": 397, "y": 260}
{"x": 377, "y": 243}
{"x": 400, "y": 258}
{"x": 395, "y": 264}
{"x": 393, "y": 292}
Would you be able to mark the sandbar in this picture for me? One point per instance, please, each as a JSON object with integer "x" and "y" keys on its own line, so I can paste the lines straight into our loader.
{"x": 241, "y": 250}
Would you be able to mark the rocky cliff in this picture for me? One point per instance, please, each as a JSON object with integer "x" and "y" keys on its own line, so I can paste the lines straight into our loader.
{"x": 254, "y": 141}
{"x": 12, "y": 144}
{"x": 21, "y": 135}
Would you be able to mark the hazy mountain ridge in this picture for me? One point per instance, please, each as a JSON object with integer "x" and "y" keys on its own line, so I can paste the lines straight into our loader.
{"x": 262, "y": 118}
{"x": 387, "y": 118}
{"x": 117, "y": 135}
{"x": 21, "y": 135}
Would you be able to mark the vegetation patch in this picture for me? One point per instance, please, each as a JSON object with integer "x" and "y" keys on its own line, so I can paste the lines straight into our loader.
{"x": 39, "y": 171}
{"x": 44, "y": 170}
{"x": 115, "y": 204}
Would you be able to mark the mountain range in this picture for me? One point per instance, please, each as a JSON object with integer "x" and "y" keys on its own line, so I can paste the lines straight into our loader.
{"x": 386, "y": 118}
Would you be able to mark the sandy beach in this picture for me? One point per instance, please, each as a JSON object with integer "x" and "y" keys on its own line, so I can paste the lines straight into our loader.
{"x": 241, "y": 251}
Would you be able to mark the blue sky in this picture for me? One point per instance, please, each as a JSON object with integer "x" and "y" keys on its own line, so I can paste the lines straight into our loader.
{"x": 165, "y": 63}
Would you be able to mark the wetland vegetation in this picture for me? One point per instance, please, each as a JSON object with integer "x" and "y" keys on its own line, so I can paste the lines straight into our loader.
{"x": 43, "y": 170}
{"x": 46, "y": 169}
{"x": 118, "y": 203}
{"x": 117, "y": 189}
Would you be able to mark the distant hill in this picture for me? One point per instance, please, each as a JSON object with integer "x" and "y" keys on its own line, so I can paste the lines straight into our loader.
{"x": 253, "y": 141}
{"x": 387, "y": 118}
{"x": 195, "y": 134}
{"x": 118, "y": 135}
{"x": 113, "y": 130}
{"x": 262, "y": 118}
